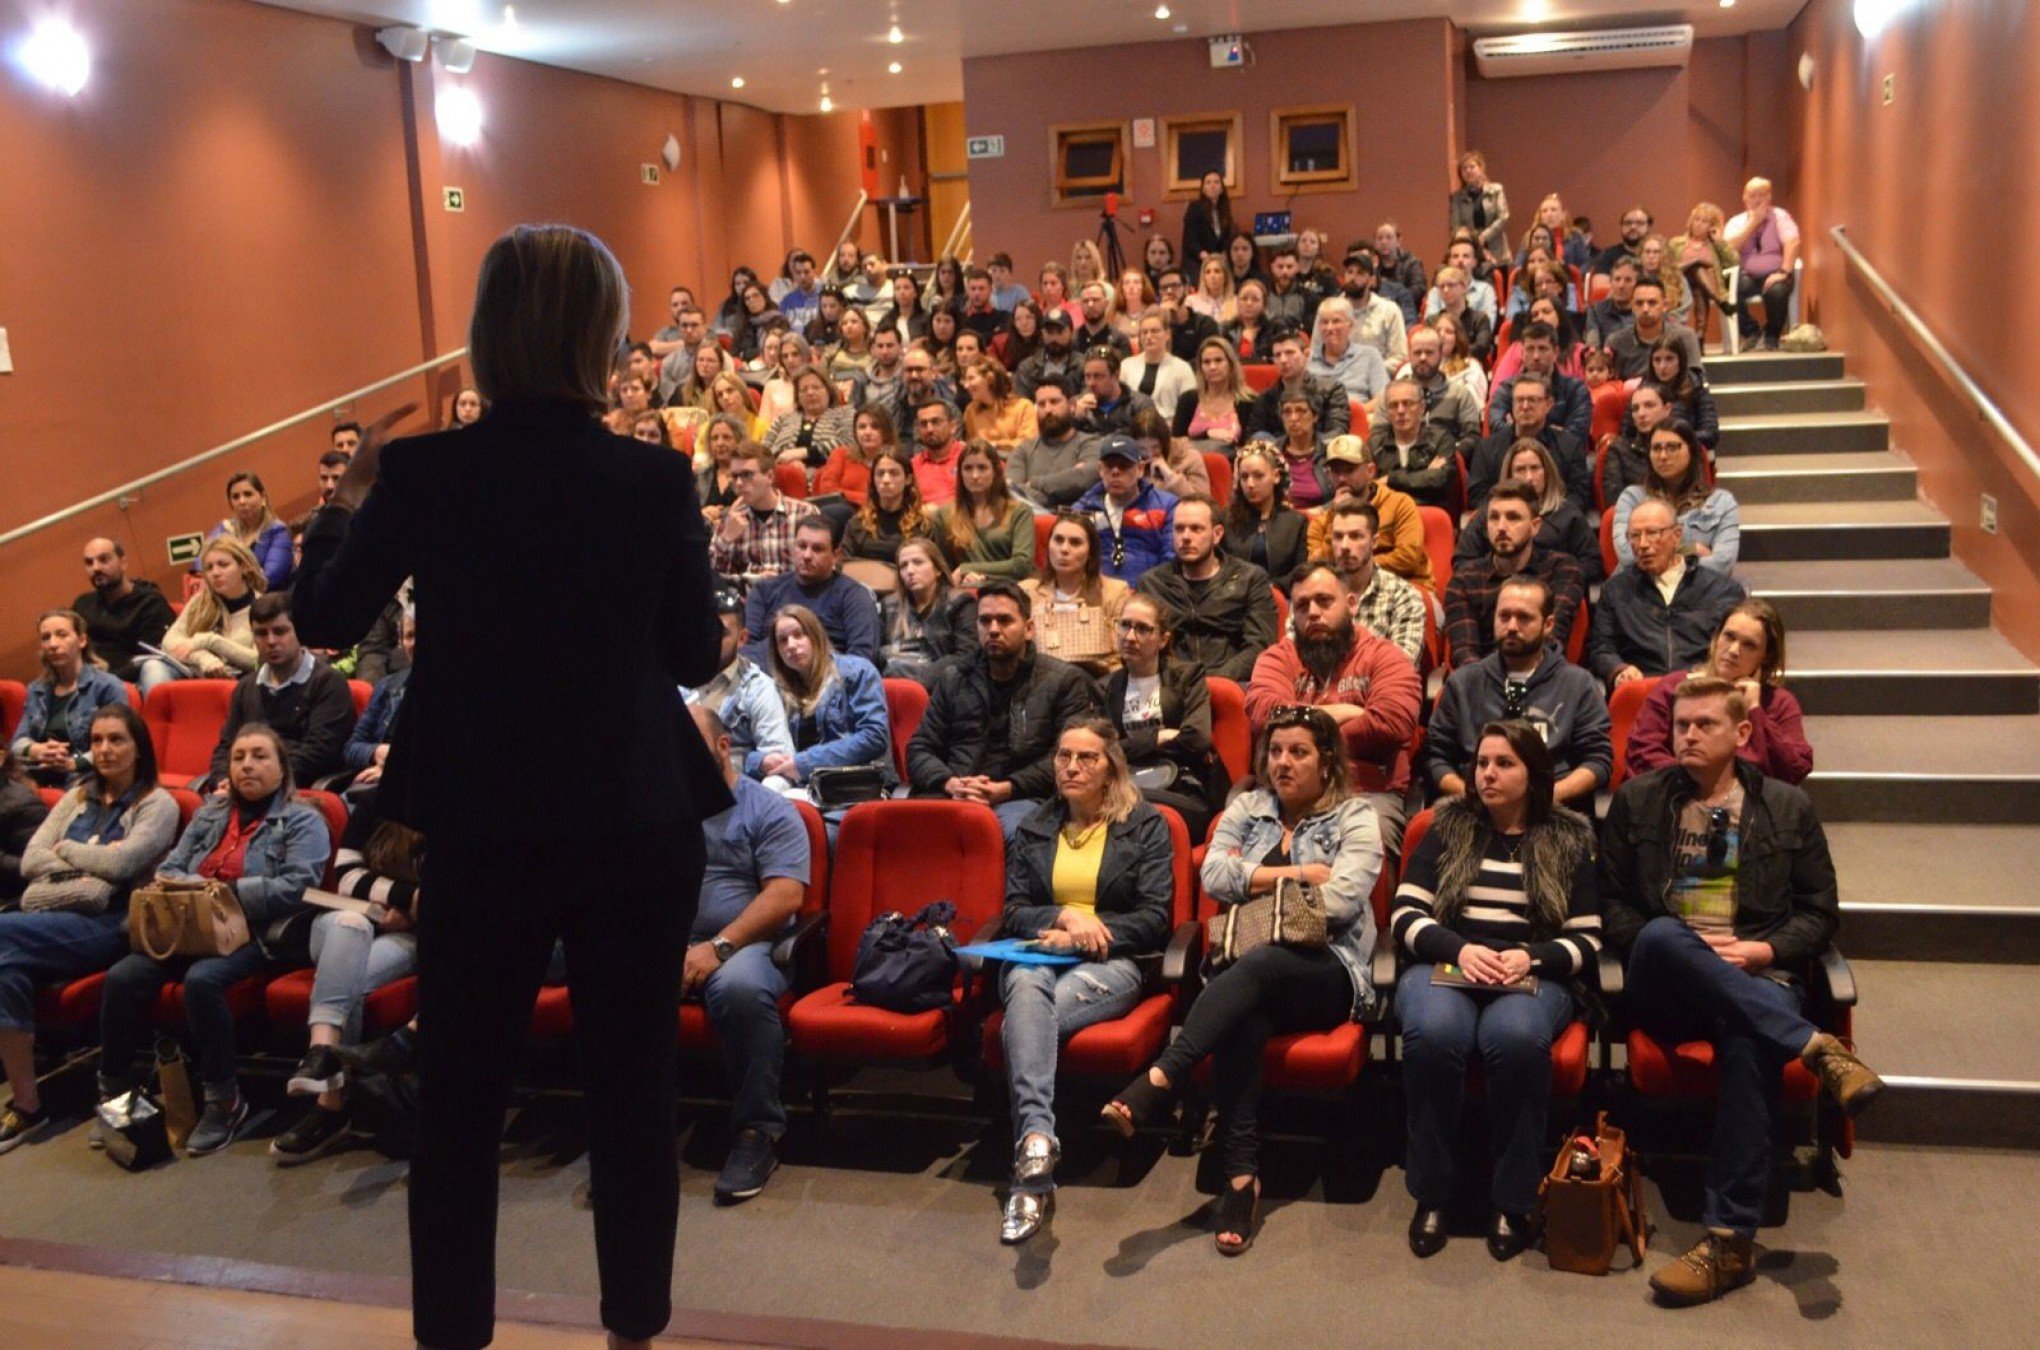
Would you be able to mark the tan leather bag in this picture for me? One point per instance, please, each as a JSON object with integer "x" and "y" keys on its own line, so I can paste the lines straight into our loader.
{"x": 1080, "y": 634}
{"x": 169, "y": 919}
{"x": 1587, "y": 1218}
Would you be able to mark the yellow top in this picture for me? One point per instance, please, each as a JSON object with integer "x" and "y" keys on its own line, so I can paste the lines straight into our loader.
{"x": 1075, "y": 878}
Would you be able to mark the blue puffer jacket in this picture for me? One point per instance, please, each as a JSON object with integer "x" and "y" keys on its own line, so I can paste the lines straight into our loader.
{"x": 96, "y": 689}
{"x": 1147, "y": 534}
{"x": 287, "y": 855}
{"x": 850, "y": 723}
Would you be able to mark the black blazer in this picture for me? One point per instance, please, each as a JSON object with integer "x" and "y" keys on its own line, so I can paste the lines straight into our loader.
{"x": 1186, "y": 707}
{"x": 1288, "y": 533}
{"x": 535, "y": 537}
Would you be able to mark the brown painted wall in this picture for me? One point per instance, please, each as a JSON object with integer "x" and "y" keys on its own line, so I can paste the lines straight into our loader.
{"x": 1936, "y": 190}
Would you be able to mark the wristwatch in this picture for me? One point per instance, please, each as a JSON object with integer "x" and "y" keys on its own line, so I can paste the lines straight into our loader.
{"x": 723, "y": 947}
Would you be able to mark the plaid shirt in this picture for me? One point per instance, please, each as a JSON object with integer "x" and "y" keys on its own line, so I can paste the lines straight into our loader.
{"x": 767, "y": 546}
{"x": 1393, "y": 609}
{"x": 1471, "y": 594}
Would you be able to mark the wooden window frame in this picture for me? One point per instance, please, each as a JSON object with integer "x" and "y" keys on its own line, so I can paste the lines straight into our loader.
{"x": 1234, "y": 125}
{"x": 1344, "y": 179}
{"x": 1087, "y": 193}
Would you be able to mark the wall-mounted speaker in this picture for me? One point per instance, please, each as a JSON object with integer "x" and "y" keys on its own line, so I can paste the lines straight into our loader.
{"x": 406, "y": 44}
{"x": 456, "y": 55}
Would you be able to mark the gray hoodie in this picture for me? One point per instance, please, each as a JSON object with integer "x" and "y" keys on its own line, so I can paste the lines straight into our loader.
{"x": 1562, "y": 701}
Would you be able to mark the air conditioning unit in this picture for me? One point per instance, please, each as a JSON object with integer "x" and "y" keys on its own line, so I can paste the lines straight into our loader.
{"x": 1568, "y": 53}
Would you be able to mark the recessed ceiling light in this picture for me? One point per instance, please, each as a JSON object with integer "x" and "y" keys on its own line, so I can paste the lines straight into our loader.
{"x": 1728, "y": 4}
{"x": 893, "y": 69}
{"x": 56, "y": 55}
{"x": 894, "y": 35}
{"x": 736, "y": 82}
{"x": 1161, "y": 11}
{"x": 509, "y": 16}
{"x": 828, "y": 104}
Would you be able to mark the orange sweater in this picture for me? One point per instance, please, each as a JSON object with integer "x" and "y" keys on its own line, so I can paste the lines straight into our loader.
{"x": 1377, "y": 677}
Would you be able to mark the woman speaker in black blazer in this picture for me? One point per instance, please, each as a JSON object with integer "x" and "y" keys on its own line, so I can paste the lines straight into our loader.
{"x": 602, "y": 850}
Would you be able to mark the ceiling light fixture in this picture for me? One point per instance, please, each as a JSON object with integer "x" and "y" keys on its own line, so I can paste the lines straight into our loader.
{"x": 55, "y": 55}
{"x": 1728, "y": 4}
{"x": 828, "y": 104}
{"x": 1161, "y": 11}
{"x": 736, "y": 82}
{"x": 509, "y": 16}
{"x": 459, "y": 114}
{"x": 893, "y": 69}
{"x": 895, "y": 36}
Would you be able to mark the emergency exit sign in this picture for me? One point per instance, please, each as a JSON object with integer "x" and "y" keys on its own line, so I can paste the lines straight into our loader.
{"x": 184, "y": 547}
{"x": 984, "y": 147}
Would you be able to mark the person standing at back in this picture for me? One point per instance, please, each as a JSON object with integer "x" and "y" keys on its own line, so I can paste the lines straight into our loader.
{"x": 610, "y": 859}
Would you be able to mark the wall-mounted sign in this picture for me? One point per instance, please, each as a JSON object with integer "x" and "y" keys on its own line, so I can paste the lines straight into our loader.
{"x": 984, "y": 147}
{"x": 184, "y": 547}
{"x": 456, "y": 199}
{"x": 649, "y": 174}
{"x": 1143, "y": 133}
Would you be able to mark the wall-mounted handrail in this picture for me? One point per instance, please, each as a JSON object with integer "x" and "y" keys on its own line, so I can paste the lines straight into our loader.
{"x": 239, "y": 442}
{"x": 1905, "y": 314}
{"x": 958, "y": 229}
{"x": 849, "y": 228}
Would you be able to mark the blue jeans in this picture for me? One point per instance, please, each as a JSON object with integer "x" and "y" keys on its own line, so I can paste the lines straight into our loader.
{"x": 1443, "y": 1028}
{"x": 742, "y": 997}
{"x": 1679, "y": 989}
{"x": 1012, "y": 812}
{"x": 352, "y": 961}
{"x": 131, "y": 989}
{"x": 60, "y": 945}
{"x": 154, "y": 670}
{"x": 1045, "y": 1006}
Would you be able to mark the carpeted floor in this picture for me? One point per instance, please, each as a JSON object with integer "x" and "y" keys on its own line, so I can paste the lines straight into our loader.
{"x": 892, "y": 1221}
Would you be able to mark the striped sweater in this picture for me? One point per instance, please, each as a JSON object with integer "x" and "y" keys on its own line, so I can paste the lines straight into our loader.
{"x": 1497, "y": 911}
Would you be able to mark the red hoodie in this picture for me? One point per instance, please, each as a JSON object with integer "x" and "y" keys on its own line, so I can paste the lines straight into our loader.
{"x": 1377, "y": 677}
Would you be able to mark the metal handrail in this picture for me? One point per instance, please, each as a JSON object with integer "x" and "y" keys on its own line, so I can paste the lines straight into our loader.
{"x": 849, "y": 228}
{"x": 239, "y": 442}
{"x": 958, "y": 230}
{"x": 1905, "y": 314}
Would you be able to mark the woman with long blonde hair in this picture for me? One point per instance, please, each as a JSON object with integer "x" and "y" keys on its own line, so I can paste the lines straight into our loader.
{"x": 212, "y": 639}
{"x": 835, "y": 704}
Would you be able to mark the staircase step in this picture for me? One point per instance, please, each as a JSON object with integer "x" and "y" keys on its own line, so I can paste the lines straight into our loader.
{"x": 1956, "y": 673}
{"x": 1786, "y": 396}
{"x": 1926, "y": 770}
{"x": 1805, "y": 433}
{"x": 1938, "y": 892}
{"x": 1800, "y": 530}
{"x": 1958, "y": 1046}
{"x": 1774, "y": 367}
{"x": 1854, "y": 476}
{"x": 1876, "y": 593}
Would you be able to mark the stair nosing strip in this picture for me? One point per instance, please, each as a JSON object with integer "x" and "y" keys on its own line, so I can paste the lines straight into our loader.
{"x": 1981, "y": 588}
{"x": 1907, "y": 776}
{"x": 2002, "y": 1086}
{"x": 1943, "y": 911}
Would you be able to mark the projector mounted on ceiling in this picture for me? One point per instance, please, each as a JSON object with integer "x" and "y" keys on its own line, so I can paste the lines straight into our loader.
{"x": 1569, "y": 53}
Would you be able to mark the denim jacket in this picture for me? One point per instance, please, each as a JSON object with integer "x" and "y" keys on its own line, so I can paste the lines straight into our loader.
{"x": 287, "y": 855}
{"x": 1346, "y": 839}
{"x": 96, "y": 689}
{"x": 753, "y": 713}
{"x": 378, "y": 722}
{"x": 850, "y": 722}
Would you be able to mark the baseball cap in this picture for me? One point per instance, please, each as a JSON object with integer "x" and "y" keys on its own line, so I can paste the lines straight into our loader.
{"x": 1346, "y": 449}
{"x": 1055, "y": 316}
{"x": 1123, "y": 447}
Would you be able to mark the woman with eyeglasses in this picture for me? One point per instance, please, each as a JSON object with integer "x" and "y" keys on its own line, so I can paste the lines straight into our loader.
{"x": 1498, "y": 915}
{"x": 1162, "y": 710}
{"x": 1709, "y": 520}
{"x": 1076, "y": 606}
{"x": 1301, "y": 822}
{"x": 1748, "y": 651}
{"x": 1089, "y": 874}
{"x": 1628, "y": 459}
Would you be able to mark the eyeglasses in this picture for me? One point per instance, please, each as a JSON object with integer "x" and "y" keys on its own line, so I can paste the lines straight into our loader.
{"x": 1136, "y": 628}
{"x": 1515, "y": 699}
{"x": 1082, "y": 759}
{"x": 1650, "y": 534}
{"x": 742, "y": 475}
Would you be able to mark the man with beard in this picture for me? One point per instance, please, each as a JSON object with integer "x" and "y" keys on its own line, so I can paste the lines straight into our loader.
{"x": 1221, "y": 608}
{"x": 1096, "y": 302}
{"x": 1291, "y": 350}
{"x": 120, "y": 613}
{"x": 1571, "y": 407}
{"x": 1476, "y": 583}
{"x": 1400, "y": 527}
{"x": 1525, "y": 678}
{"x": 1106, "y": 406}
{"x": 741, "y": 694}
{"x": 1289, "y": 300}
{"x": 1387, "y": 605}
{"x": 1367, "y": 685}
{"x": 1377, "y": 321}
{"x": 1055, "y": 363}
{"x": 1059, "y": 464}
{"x": 1447, "y": 404}
{"x": 920, "y": 382}
{"x": 1612, "y": 313}
{"x": 1636, "y": 223}
{"x": 935, "y": 465}
{"x": 882, "y": 385}
{"x": 1187, "y": 328}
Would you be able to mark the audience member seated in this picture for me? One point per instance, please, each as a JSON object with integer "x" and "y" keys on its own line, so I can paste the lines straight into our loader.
{"x": 850, "y": 357}
{"x": 1291, "y": 303}
{"x": 892, "y": 511}
{"x": 1060, "y": 463}
{"x": 819, "y": 423}
{"x": 1628, "y": 460}
{"x": 211, "y": 639}
{"x": 1610, "y": 396}
{"x": 690, "y": 338}
{"x": 1054, "y": 362}
{"x": 1246, "y": 334}
{"x": 353, "y": 954}
{"x": 1366, "y": 684}
{"x": 1299, "y": 823}
{"x": 254, "y": 526}
{"x": 1088, "y": 873}
{"x": 985, "y": 532}
{"x": 978, "y": 314}
{"x": 1260, "y": 525}
{"x": 1397, "y": 263}
{"x": 1561, "y": 526}
{"x": 925, "y": 621}
{"x": 1572, "y": 408}
{"x": 921, "y": 382}
{"x": 775, "y": 399}
{"x": 1052, "y": 285}
{"x": 121, "y": 613}
{"x": 1157, "y": 373}
{"x": 1399, "y": 542}
{"x": 1100, "y": 324}
{"x": 848, "y": 472}
{"x": 881, "y": 384}
{"x": 1614, "y": 312}
{"x": 1219, "y": 409}
{"x": 1719, "y": 890}
{"x": 1457, "y": 359}
{"x": 713, "y": 484}
{"x": 105, "y": 833}
{"x": 1631, "y": 345}
{"x": 1076, "y": 608}
{"x": 1108, "y": 404}
{"x": 1709, "y": 520}
{"x": 1135, "y": 517}
{"x": 993, "y": 413}
{"x": 1415, "y": 457}
{"x": 1187, "y": 328}
{"x": 758, "y": 868}
{"x": 847, "y": 608}
{"x": 1331, "y": 408}
{"x": 1657, "y": 614}
{"x": 294, "y": 694}
{"x": 1162, "y": 710}
{"x": 650, "y": 427}
{"x": 1703, "y": 261}
{"x": 1446, "y": 403}
{"x": 369, "y": 745}
{"x": 755, "y": 537}
{"x": 1455, "y": 295}
{"x": 468, "y": 407}
{"x": 729, "y": 396}
{"x": 1386, "y": 605}
{"x": 1530, "y": 409}
{"x": 1219, "y": 607}
{"x": 742, "y": 695}
{"x": 728, "y": 316}
{"x": 1338, "y": 354}
{"x": 21, "y": 813}
{"x": 52, "y": 739}
{"x": 1302, "y": 447}
{"x": 1512, "y": 525}
{"x": 1636, "y": 226}
{"x": 825, "y": 329}
{"x": 1685, "y": 390}
{"x": 993, "y": 718}
{"x": 1748, "y": 651}
{"x": 940, "y": 453}
{"x": 1766, "y": 242}
{"x": 1570, "y": 353}
{"x": 260, "y": 839}
{"x": 1175, "y": 464}
{"x": 1498, "y": 899}
{"x": 1526, "y": 678}
{"x": 835, "y": 707}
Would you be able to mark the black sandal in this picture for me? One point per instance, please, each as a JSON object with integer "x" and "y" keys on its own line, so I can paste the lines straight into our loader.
{"x": 1137, "y": 1103}
{"x": 1237, "y": 1212}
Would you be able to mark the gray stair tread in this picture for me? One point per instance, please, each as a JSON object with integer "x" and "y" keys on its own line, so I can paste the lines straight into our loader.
{"x": 1754, "y": 365}
{"x": 1963, "y": 866}
{"x": 1732, "y": 386}
{"x": 1995, "y": 746}
{"x": 1805, "y": 515}
{"x": 1834, "y": 575}
{"x": 1851, "y": 462}
{"x": 1947, "y": 1019}
{"x": 1793, "y": 421}
{"x": 1904, "y": 651}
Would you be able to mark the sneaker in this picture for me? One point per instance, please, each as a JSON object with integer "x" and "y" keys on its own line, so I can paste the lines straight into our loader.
{"x": 1847, "y": 1079}
{"x": 217, "y": 1126}
{"x": 751, "y": 1161}
{"x": 1719, "y": 1263}
{"x": 17, "y": 1126}
{"x": 97, "y": 1138}
{"x": 317, "y": 1133}
{"x": 317, "y": 1073}
{"x": 394, "y": 1054}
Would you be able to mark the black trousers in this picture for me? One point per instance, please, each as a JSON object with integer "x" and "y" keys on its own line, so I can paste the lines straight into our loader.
{"x": 487, "y": 923}
{"x": 1777, "y": 298}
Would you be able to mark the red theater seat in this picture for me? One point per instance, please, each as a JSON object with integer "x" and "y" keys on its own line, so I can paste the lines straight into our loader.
{"x": 363, "y": 691}
{"x": 1623, "y": 706}
{"x": 1232, "y": 734}
{"x": 791, "y": 479}
{"x": 697, "y": 1033}
{"x": 289, "y": 1002}
{"x": 185, "y": 717}
{"x": 1686, "y": 1069}
{"x": 905, "y": 701}
{"x": 13, "y": 701}
{"x": 1261, "y": 377}
{"x": 1219, "y": 469}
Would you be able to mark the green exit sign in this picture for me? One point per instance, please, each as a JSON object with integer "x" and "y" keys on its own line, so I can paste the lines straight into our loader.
{"x": 184, "y": 547}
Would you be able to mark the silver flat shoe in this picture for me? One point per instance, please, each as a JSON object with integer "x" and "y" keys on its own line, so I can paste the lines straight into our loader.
{"x": 1035, "y": 1157}
{"x": 1026, "y": 1212}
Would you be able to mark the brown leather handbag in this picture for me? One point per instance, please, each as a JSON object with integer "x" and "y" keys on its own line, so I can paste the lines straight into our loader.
{"x": 1293, "y": 914}
{"x": 172, "y": 917}
{"x": 1594, "y": 1207}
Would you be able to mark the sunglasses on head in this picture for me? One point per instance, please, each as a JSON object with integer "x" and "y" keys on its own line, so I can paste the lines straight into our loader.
{"x": 1298, "y": 715}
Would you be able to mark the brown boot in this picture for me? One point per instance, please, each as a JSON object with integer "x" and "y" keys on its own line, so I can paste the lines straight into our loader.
{"x": 1847, "y": 1079}
{"x": 1719, "y": 1263}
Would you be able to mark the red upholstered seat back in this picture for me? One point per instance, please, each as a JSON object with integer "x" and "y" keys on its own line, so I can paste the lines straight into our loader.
{"x": 901, "y": 855}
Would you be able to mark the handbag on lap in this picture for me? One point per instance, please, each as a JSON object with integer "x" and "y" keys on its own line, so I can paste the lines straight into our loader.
{"x": 173, "y": 917}
{"x": 1292, "y": 914}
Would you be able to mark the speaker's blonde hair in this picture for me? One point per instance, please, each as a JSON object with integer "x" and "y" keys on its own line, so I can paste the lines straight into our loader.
{"x": 550, "y": 308}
